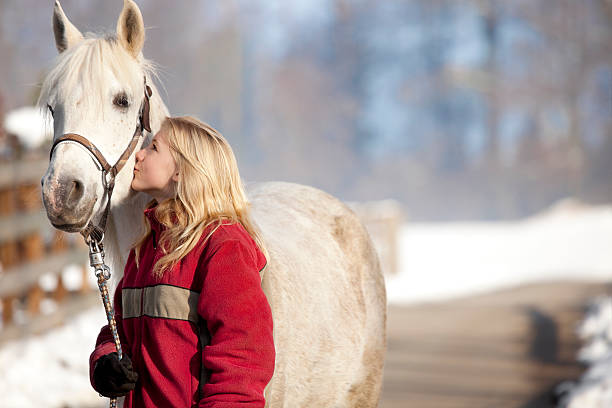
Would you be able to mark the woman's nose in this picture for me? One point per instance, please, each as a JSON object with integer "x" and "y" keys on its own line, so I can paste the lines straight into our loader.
{"x": 139, "y": 155}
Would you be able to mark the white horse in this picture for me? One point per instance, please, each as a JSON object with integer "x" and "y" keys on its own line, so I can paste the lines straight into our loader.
{"x": 323, "y": 279}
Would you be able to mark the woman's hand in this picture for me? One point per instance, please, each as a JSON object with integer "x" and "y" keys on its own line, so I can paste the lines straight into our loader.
{"x": 114, "y": 377}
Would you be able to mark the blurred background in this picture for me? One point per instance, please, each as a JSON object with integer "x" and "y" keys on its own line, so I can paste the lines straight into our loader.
{"x": 473, "y": 137}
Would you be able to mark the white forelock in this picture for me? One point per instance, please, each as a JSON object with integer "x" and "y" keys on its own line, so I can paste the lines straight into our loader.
{"x": 87, "y": 65}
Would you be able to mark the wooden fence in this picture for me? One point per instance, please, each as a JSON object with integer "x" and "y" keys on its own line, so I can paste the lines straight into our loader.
{"x": 383, "y": 220}
{"x": 33, "y": 255}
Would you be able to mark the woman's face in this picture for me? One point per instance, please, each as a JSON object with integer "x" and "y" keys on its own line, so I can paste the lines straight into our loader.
{"x": 155, "y": 171}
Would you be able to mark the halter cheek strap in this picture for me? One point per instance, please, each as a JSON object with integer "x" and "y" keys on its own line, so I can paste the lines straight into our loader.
{"x": 146, "y": 108}
{"x": 110, "y": 172}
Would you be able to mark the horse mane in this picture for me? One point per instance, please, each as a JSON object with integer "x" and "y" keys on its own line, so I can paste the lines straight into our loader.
{"x": 84, "y": 65}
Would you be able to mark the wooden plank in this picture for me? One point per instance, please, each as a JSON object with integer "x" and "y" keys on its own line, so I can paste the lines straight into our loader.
{"x": 8, "y": 309}
{"x": 60, "y": 292}
{"x": 19, "y": 225}
{"x": 59, "y": 243}
{"x": 34, "y": 298}
{"x": 9, "y": 254}
{"x": 22, "y": 172}
{"x": 41, "y": 323}
{"x": 20, "y": 279}
{"x": 29, "y": 197}
{"x": 85, "y": 288}
{"x": 7, "y": 201}
{"x": 32, "y": 247}
{"x": 504, "y": 349}
{"x": 382, "y": 220}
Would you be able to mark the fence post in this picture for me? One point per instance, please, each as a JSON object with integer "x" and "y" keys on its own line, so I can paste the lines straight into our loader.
{"x": 7, "y": 310}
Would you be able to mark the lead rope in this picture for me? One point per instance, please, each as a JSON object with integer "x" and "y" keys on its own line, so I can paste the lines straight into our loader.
{"x": 103, "y": 273}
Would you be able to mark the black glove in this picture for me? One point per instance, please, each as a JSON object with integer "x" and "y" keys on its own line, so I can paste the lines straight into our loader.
{"x": 114, "y": 377}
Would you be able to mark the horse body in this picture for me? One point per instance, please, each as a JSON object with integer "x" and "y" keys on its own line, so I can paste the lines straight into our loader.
{"x": 323, "y": 279}
{"x": 327, "y": 298}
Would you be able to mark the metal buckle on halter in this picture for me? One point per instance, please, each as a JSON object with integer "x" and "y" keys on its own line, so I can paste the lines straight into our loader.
{"x": 96, "y": 251}
{"x": 96, "y": 258}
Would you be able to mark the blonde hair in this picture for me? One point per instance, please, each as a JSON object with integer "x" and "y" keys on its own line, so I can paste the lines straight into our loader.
{"x": 209, "y": 192}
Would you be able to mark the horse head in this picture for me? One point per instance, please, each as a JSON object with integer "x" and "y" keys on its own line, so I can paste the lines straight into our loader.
{"x": 95, "y": 90}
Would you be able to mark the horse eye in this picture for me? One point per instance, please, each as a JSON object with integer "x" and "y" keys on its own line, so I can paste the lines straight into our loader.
{"x": 50, "y": 109}
{"x": 121, "y": 101}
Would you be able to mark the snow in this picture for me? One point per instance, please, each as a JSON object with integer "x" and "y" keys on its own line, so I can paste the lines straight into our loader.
{"x": 438, "y": 261}
{"x": 446, "y": 260}
{"x": 72, "y": 277}
{"x": 594, "y": 388}
{"x": 30, "y": 125}
{"x": 51, "y": 370}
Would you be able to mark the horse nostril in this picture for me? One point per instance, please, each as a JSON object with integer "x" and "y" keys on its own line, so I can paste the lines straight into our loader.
{"x": 76, "y": 192}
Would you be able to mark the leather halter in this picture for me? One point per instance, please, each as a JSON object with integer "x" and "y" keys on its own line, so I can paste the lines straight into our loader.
{"x": 109, "y": 172}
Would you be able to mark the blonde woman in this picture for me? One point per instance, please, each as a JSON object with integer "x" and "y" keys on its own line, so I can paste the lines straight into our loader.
{"x": 195, "y": 325}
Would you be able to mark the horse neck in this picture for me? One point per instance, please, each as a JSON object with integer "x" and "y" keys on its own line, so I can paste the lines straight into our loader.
{"x": 126, "y": 215}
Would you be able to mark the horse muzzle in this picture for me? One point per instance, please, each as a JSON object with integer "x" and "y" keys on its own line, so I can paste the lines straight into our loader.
{"x": 68, "y": 206}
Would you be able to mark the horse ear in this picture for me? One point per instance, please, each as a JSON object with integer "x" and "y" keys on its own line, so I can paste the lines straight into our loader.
{"x": 66, "y": 34}
{"x": 130, "y": 28}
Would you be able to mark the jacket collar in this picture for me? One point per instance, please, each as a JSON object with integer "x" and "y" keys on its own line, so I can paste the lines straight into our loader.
{"x": 155, "y": 224}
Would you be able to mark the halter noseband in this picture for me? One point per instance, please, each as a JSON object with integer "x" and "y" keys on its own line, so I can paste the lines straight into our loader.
{"x": 110, "y": 172}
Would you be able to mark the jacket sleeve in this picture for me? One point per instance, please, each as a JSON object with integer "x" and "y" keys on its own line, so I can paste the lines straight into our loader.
{"x": 105, "y": 343}
{"x": 240, "y": 357}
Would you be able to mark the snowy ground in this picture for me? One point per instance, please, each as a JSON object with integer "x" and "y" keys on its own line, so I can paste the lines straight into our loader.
{"x": 30, "y": 125}
{"x": 52, "y": 370}
{"x": 438, "y": 261}
{"x": 441, "y": 261}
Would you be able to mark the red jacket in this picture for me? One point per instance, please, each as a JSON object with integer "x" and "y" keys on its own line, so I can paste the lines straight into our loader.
{"x": 160, "y": 324}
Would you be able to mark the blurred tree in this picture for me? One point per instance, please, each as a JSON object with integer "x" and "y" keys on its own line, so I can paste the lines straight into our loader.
{"x": 2, "y": 131}
{"x": 496, "y": 106}
{"x": 575, "y": 40}
{"x": 301, "y": 126}
{"x": 489, "y": 10}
